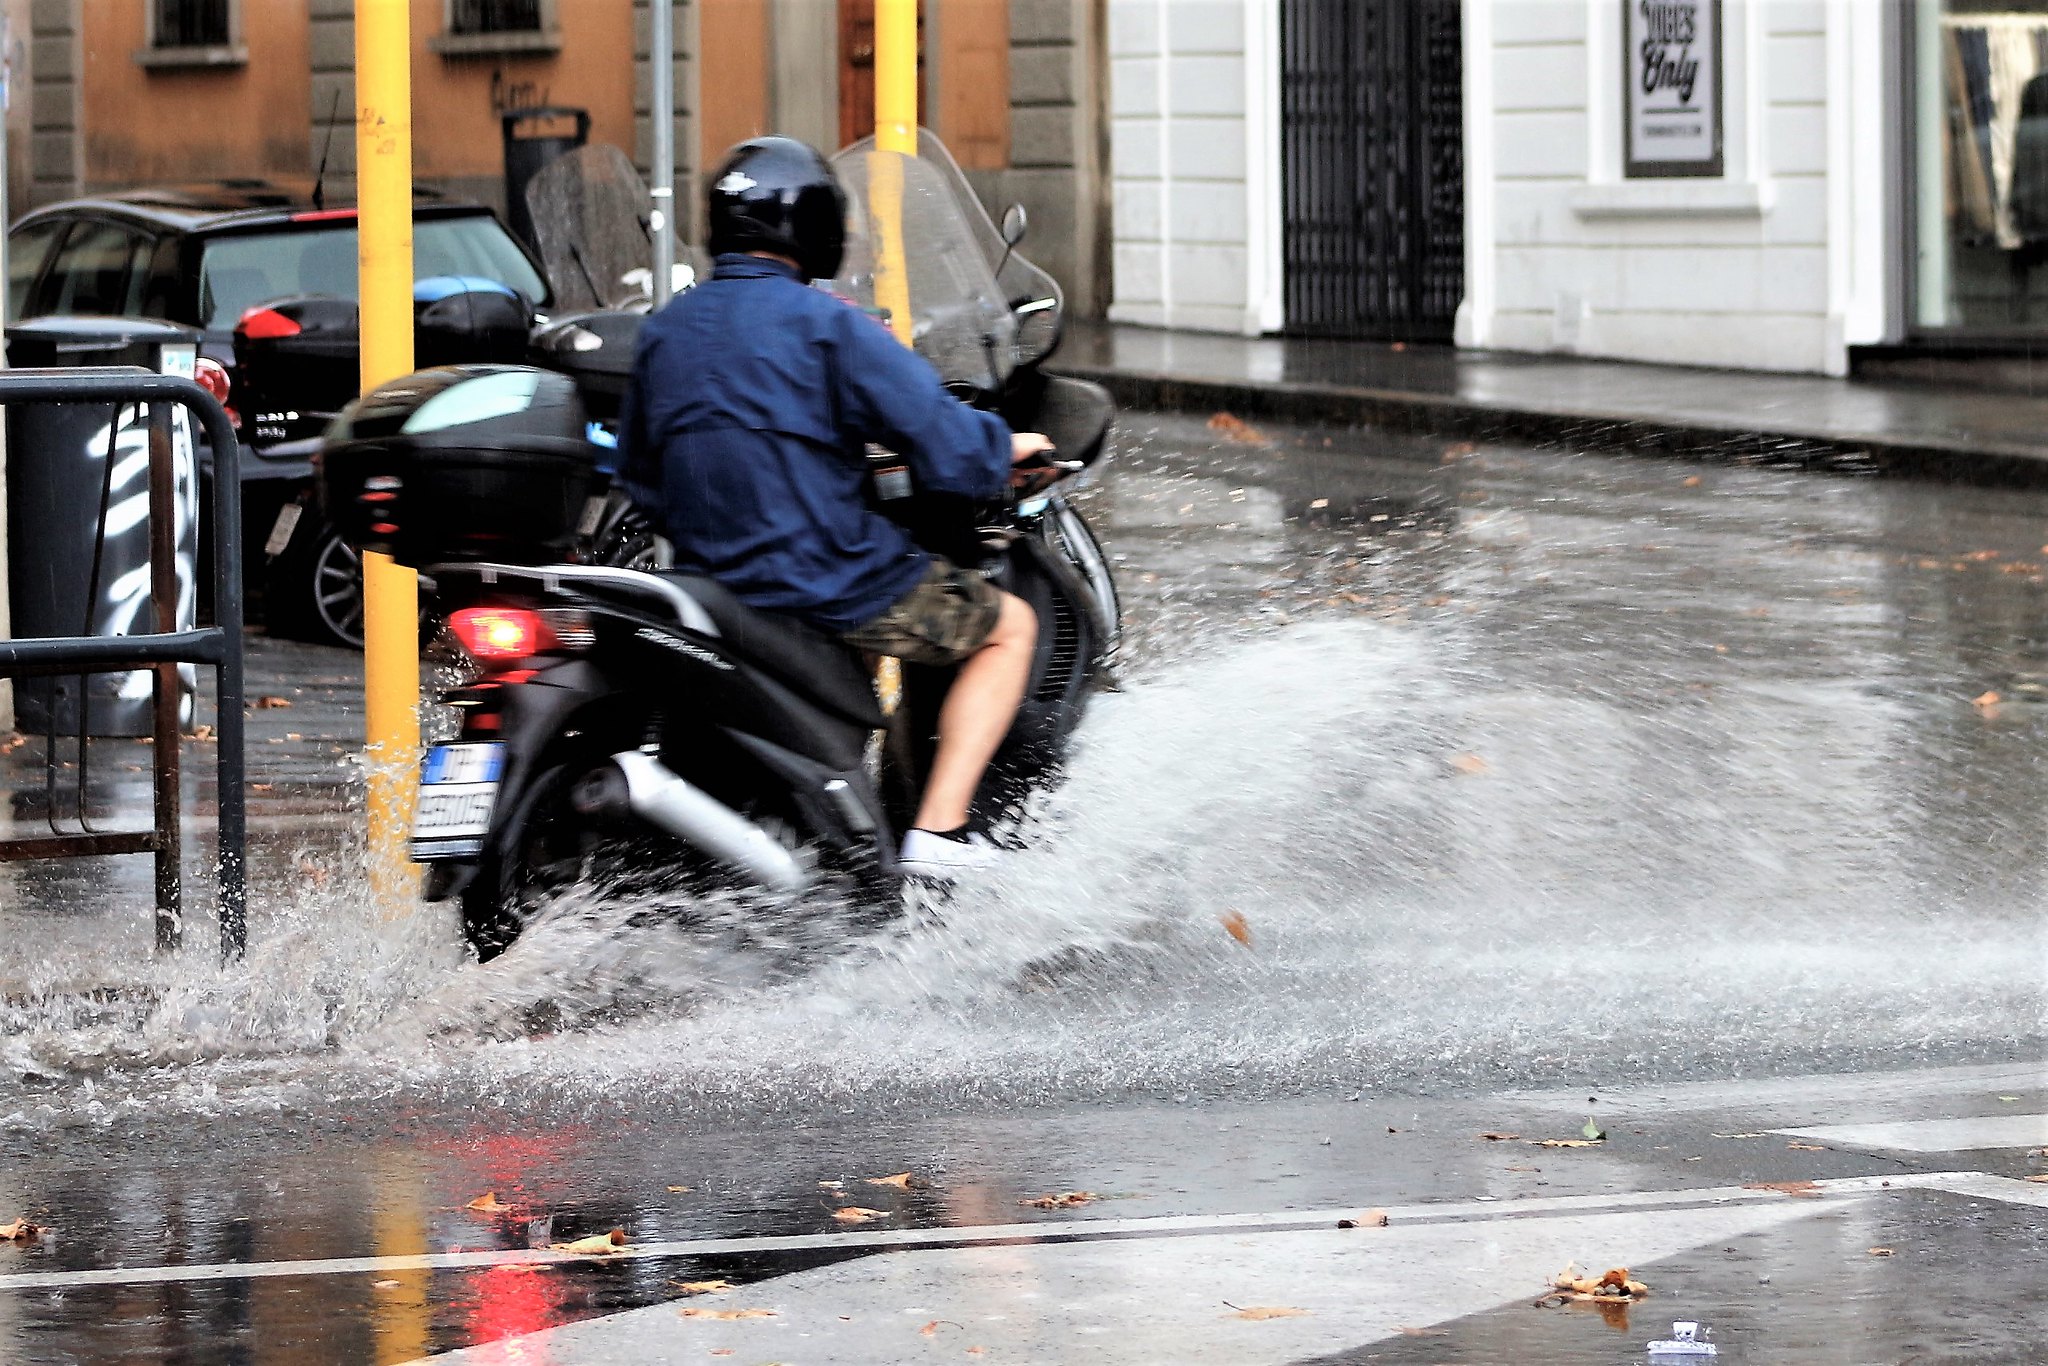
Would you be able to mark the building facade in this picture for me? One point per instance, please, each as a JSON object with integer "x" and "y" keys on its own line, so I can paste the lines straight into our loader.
{"x": 1796, "y": 185}
{"x": 117, "y": 93}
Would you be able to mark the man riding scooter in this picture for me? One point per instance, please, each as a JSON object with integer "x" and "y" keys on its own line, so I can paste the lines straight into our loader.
{"x": 744, "y": 435}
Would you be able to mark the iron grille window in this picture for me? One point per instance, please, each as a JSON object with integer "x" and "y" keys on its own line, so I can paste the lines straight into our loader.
{"x": 494, "y": 16}
{"x": 193, "y": 23}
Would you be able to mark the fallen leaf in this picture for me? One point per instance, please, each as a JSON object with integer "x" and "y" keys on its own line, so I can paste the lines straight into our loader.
{"x": 1319, "y": 503}
{"x": 384, "y": 1285}
{"x": 21, "y": 1231}
{"x": 721, "y": 1351}
{"x": 831, "y": 1185}
{"x": 272, "y": 703}
{"x": 977, "y": 1351}
{"x": 1880, "y": 1252}
{"x": 1235, "y": 925}
{"x": 1468, "y": 763}
{"x": 1568, "y": 1142}
{"x": 202, "y": 733}
{"x": 726, "y": 1315}
{"x": 487, "y": 1203}
{"x": 1798, "y": 1190}
{"x": 1372, "y": 1218}
{"x": 1499, "y": 1138}
{"x": 596, "y": 1245}
{"x": 702, "y": 1287}
{"x": 1692, "y": 481}
{"x": 1592, "y": 1131}
{"x": 1235, "y": 429}
{"x": 680, "y": 1190}
{"x": 2008, "y": 1098}
{"x": 902, "y": 1181}
{"x": 1267, "y": 1311}
{"x": 1526, "y": 1169}
{"x": 855, "y": 1214}
{"x": 1807, "y": 1147}
{"x": 2039, "y": 1180}
{"x": 1986, "y": 701}
{"x": 1755, "y": 1135}
{"x": 1069, "y": 1200}
{"x": 931, "y": 1330}
{"x": 1982, "y": 555}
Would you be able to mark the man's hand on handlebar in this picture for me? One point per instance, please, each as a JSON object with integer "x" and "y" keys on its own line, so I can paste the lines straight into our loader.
{"x": 1033, "y": 463}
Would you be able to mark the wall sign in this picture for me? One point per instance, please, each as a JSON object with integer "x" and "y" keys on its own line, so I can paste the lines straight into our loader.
{"x": 1671, "y": 67}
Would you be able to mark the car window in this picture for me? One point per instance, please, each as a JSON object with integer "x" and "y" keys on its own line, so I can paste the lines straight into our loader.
{"x": 101, "y": 268}
{"x": 240, "y": 270}
{"x": 27, "y": 249}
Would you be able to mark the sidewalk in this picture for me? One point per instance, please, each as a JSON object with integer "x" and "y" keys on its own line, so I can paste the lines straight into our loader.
{"x": 1961, "y": 436}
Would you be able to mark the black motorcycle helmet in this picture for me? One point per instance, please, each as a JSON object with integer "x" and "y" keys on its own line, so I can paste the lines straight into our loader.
{"x": 779, "y": 195}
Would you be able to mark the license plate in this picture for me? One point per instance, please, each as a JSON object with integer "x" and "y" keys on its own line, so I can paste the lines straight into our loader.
{"x": 281, "y": 530}
{"x": 458, "y": 789}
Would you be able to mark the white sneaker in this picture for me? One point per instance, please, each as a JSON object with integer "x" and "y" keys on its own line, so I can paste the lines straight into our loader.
{"x": 942, "y": 858}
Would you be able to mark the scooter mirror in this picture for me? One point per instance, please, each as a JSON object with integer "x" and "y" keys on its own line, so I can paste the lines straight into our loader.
{"x": 1016, "y": 223}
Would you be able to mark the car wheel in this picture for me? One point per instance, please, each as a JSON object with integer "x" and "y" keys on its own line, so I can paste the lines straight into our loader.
{"x": 315, "y": 590}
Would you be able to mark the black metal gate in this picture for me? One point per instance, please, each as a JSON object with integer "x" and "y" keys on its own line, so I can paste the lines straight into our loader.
{"x": 1372, "y": 133}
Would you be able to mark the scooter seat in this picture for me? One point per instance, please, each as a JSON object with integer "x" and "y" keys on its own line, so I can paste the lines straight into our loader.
{"x": 818, "y": 666}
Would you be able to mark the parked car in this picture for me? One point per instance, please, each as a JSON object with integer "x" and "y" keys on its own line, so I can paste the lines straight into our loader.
{"x": 211, "y": 257}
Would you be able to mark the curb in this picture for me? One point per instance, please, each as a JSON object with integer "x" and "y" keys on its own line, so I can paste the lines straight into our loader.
{"x": 1959, "y": 461}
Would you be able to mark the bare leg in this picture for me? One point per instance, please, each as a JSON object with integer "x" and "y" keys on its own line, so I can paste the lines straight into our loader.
{"x": 977, "y": 715}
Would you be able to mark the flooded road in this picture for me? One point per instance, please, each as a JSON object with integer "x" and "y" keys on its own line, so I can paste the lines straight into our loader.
{"x": 1439, "y": 775}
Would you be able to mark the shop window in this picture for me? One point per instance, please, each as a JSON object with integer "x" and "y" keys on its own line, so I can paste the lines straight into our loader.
{"x": 193, "y": 33}
{"x": 488, "y": 26}
{"x": 1981, "y": 162}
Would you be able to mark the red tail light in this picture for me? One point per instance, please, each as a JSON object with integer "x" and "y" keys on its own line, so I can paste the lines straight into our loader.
{"x": 502, "y": 635}
{"x": 267, "y": 324}
{"x": 212, "y": 376}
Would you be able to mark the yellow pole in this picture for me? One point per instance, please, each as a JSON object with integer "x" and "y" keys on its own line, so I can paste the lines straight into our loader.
{"x": 895, "y": 131}
{"x": 391, "y": 668}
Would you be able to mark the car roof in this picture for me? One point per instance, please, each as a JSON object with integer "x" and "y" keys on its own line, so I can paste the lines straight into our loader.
{"x": 230, "y": 204}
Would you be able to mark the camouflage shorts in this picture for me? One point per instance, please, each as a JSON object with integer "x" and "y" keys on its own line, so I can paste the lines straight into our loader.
{"x": 943, "y": 620}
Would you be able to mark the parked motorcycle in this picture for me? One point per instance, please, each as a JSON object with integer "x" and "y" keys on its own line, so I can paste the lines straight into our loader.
{"x": 623, "y": 723}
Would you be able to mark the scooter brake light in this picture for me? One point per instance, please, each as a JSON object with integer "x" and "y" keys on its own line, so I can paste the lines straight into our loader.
{"x": 502, "y": 635}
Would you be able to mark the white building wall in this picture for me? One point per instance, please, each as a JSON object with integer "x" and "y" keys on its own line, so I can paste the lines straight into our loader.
{"x": 1194, "y": 158}
{"x": 1780, "y": 264}
{"x": 1777, "y": 265}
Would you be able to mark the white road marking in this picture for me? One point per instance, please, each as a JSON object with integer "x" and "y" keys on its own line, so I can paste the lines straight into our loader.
{"x": 1935, "y": 1135}
{"x": 1065, "y": 1231}
{"x": 1124, "y": 1304}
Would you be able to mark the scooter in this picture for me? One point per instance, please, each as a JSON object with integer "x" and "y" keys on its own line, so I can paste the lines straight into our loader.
{"x": 627, "y": 724}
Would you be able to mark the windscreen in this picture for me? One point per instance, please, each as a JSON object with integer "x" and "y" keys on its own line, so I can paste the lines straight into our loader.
{"x": 592, "y": 221}
{"x": 935, "y": 269}
{"x": 1031, "y": 296}
{"x": 241, "y": 270}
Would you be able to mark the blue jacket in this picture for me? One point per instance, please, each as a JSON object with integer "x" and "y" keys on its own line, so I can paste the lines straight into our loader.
{"x": 744, "y": 435}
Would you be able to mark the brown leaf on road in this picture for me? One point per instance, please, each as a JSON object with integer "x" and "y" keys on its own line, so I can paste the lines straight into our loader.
{"x": 702, "y": 1287}
{"x": 1236, "y": 430}
{"x": 903, "y": 1181}
{"x": 1237, "y": 927}
{"x": 1068, "y": 1200}
{"x": 1981, "y": 555}
{"x": 272, "y": 703}
{"x": 1807, "y": 1147}
{"x": 1798, "y": 1190}
{"x": 1491, "y": 1137}
{"x": 596, "y": 1245}
{"x": 931, "y": 1330}
{"x": 1372, "y": 1218}
{"x": 1691, "y": 481}
{"x": 487, "y": 1203}
{"x": 977, "y": 1351}
{"x": 2039, "y": 1180}
{"x": 856, "y": 1214}
{"x": 1468, "y": 763}
{"x": 1267, "y": 1311}
{"x": 1986, "y": 701}
{"x": 1568, "y": 1142}
{"x": 22, "y": 1231}
{"x": 725, "y": 1315}
{"x": 1880, "y": 1252}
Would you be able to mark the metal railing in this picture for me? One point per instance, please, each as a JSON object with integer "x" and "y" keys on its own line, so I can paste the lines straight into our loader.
{"x": 218, "y": 646}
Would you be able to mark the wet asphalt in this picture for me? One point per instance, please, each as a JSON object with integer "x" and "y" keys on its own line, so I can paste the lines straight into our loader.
{"x": 1451, "y": 791}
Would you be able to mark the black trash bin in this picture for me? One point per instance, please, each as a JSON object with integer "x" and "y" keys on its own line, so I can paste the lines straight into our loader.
{"x": 525, "y": 155}
{"x": 57, "y": 473}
